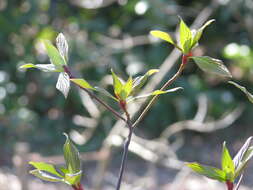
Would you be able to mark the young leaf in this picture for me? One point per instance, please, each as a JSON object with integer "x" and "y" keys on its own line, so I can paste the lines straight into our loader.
{"x": 156, "y": 92}
{"x": 105, "y": 92}
{"x": 117, "y": 84}
{"x": 210, "y": 172}
{"x": 227, "y": 163}
{"x": 82, "y": 83}
{"x": 63, "y": 84}
{"x": 243, "y": 89}
{"x": 45, "y": 167}
{"x": 126, "y": 89}
{"x": 185, "y": 37}
{"x": 43, "y": 67}
{"x": 199, "y": 32}
{"x": 71, "y": 156}
{"x": 141, "y": 80}
{"x": 211, "y": 65}
{"x": 45, "y": 176}
{"x": 73, "y": 179}
{"x": 162, "y": 35}
{"x": 54, "y": 55}
{"x": 62, "y": 46}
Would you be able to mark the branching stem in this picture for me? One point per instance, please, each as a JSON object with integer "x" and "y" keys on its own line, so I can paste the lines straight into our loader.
{"x": 92, "y": 95}
{"x": 168, "y": 83}
{"x": 126, "y": 146}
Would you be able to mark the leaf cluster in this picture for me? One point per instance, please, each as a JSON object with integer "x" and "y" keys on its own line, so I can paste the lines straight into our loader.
{"x": 70, "y": 174}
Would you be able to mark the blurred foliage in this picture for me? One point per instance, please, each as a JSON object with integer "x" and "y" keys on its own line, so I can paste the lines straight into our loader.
{"x": 32, "y": 110}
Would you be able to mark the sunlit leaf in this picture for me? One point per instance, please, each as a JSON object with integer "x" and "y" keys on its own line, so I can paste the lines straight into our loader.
{"x": 243, "y": 89}
{"x": 227, "y": 163}
{"x": 62, "y": 46}
{"x": 45, "y": 167}
{"x": 199, "y": 32}
{"x": 156, "y": 92}
{"x": 185, "y": 36}
{"x": 63, "y": 83}
{"x": 73, "y": 179}
{"x": 211, "y": 65}
{"x": 71, "y": 156}
{"x": 126, "y": 89}
{"x": 162, "y": 35}
{"x": 82, "y": 83}
{"x": 54, "y": 55}
{"x": 43, "y": 67}
{"x": 210, "y": 172}
{"x": 45, "y": 176}
{"x": 117, "y": 84}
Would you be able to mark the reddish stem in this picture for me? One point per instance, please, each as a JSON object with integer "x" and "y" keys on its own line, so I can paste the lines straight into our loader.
{"x": 78, "y": 187}
{"x": 230, "y": 185}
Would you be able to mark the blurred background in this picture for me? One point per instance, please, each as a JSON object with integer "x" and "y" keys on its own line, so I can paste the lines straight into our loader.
{"x": 104, "y": 34}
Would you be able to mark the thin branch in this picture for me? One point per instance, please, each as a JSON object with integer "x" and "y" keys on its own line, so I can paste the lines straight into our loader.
{"x": 126, "y": 147}
{"x": 168, "y": 83}
{"x": 66, "y": 69}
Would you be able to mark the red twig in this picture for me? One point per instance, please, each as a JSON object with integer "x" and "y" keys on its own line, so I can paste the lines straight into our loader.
{"x": 78, "y": 187}
{"x": 230, "y": 185}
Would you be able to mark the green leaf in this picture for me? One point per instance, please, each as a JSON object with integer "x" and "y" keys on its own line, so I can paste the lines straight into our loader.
{"x": 227, "y": 163}
{"x": 82, "y": 83}
{"x": 73, "y": 179}
{"x": 63, "y": 83}
{"x": 156, "y": 92}
{"x": 105, "y": 92}
{"x": 126, "y": 89}
{"x": 185, "y": 37}
{"x": 43, "y": 67}
{"x": 62, "y": 46}
{"x": 211, "y": 65}
{"x": 117, "y": 84}
{"x": 71, "y": 156}
{"x": 243, "y": 89}
{"x": 45, "y": 167}
{"x": 54, "y": 55}
{"x": 140, "y": 81}
{"x": 199, "y": 32}
{"x": 210, "y": 172}
{"x": 45, "y": 176}
{"x": 162, "y": 35}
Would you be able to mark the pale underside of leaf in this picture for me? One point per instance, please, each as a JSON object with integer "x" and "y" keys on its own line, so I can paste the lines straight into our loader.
{"x": 45, "y": 167}
{"x": 63, "y": 83}
{"x": 154, "y": 93}
{"x": 62, "y": 46}
{"x": 73, "y": 179}
{"x": 42, "y": 67}
{"x": 211, "y": 65}
{"x": 243, "y": 89}
{"x": 46, "y": 176}
{"x": 199, "y": 32}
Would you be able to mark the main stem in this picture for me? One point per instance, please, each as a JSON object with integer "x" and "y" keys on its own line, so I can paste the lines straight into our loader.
{"x": 78, "y": 187}
{"x": 71, "y": 76}
{"x": 126, "y": 146}
{"x": 169, "y": 82}
{"x": 230, "y": 185}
